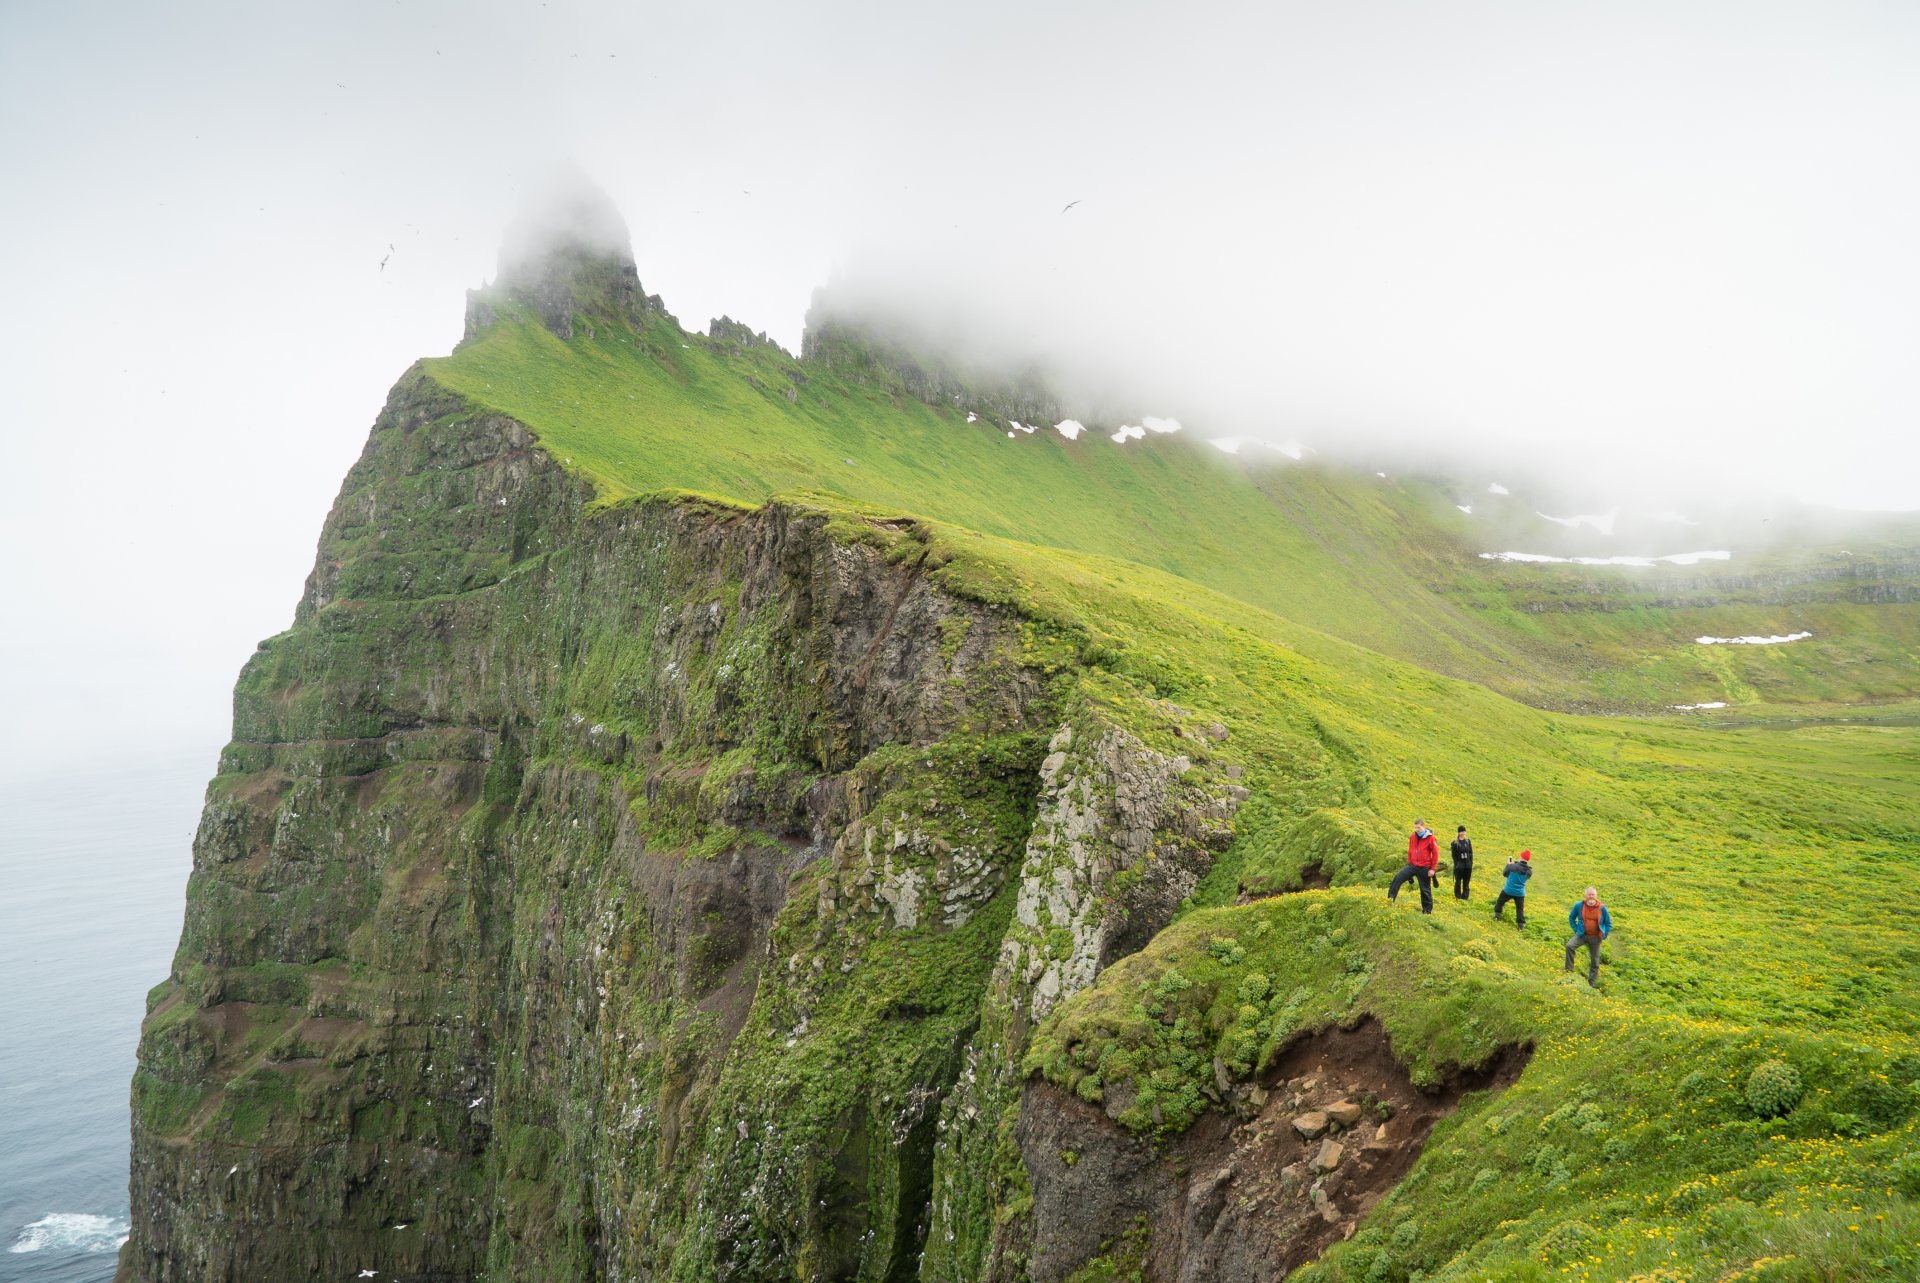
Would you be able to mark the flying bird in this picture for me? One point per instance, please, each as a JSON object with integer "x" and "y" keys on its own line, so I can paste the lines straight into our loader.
{"x": 1069, "y": 205}
{"x": 383, "y": 262}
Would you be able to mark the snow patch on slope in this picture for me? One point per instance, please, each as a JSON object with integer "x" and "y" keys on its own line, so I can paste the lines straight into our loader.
{"x": 1604, "y": 524}
{"x": 1672, "y": 559}
{"x": 1775, "y": 640}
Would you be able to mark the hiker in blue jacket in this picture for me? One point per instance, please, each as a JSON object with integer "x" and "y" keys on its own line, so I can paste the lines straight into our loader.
{"x": 1517, "y": 872}
{"x": 1590, "y": 923}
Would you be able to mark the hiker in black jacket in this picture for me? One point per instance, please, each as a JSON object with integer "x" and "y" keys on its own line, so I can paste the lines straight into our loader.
{"x": 1462, "y": 851}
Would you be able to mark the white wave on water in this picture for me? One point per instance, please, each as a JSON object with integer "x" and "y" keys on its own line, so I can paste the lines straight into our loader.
{"x": 75, "y": 1232}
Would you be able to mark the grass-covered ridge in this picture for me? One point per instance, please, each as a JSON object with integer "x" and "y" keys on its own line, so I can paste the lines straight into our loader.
{"x": 1389, "y": 563}
{"x": 662, "y": 409}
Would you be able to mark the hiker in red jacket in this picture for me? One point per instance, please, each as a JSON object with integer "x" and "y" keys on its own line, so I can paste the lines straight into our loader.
{"x": 1423, "y": 858}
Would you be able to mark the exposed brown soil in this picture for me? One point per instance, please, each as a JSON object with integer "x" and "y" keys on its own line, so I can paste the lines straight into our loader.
{"x": 1239, "y": 1198}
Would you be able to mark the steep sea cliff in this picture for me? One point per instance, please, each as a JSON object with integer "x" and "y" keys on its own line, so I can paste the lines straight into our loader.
{"x": 657, "y": 890}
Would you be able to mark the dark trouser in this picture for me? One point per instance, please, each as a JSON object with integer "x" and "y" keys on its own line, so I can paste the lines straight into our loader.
{"x": 1462, "y": 874}
{"x": 1593, "y": 956}
{"x": 1519, "y": 907}
{"x": 1425, "y": 877}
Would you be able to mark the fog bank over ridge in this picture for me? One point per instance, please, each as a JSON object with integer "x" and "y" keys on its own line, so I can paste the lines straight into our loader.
{"x": 1632, "y": 407}
{"x": 1044, "y": 310}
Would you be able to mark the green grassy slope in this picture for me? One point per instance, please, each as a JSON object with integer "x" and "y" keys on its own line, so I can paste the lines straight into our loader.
{"x": 1388, "y": 563}
{"x": 1754, "y": 878}
{"x": 665, "y": 409}
{"x": 1759, "y": 822}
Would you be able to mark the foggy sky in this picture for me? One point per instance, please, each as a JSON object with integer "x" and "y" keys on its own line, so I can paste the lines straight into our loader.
{"x": 1624, "y": 242}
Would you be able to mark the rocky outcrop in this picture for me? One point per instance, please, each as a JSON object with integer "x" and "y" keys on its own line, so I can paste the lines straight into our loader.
{"x": 724, "y": 329}
{"x": 1122, "y": 835}
{"x": 572, "y": 258}
{"x": 1113, "y": 808}
{"x": 865, "y": 350}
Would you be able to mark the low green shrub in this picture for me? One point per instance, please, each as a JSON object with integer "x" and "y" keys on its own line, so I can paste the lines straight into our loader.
{"x": 1227, "y": 950}
{"x": 1773, "y": 1088}
{"x": 1566, "y": 1241}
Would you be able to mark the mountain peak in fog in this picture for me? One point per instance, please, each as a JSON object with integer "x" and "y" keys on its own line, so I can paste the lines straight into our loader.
{"x": 568, "y": 254}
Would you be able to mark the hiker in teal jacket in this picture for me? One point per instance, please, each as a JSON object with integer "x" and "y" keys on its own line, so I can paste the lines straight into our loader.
{"x": 1517, "y": 872}
{"x": 1590, "y": 923}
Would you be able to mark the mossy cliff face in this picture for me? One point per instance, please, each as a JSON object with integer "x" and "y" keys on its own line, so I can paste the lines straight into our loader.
{"x": 664, "y": 890}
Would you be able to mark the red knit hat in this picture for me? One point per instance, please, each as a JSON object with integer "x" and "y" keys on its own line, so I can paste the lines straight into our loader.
{"x": 1527, "y": 856}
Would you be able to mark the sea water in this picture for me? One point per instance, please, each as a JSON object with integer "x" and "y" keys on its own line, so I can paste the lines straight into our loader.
{"x": 93, "y": 872}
